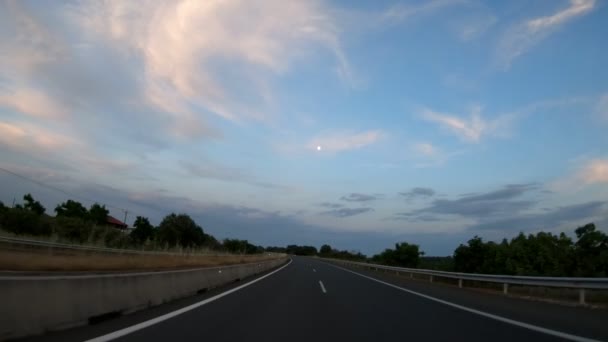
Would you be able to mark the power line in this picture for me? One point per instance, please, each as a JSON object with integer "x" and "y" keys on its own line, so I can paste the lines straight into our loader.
{"x": 61, "y": 190}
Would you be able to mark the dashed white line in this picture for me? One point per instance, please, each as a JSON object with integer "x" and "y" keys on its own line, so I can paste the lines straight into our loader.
{"x": 322, "y": 287}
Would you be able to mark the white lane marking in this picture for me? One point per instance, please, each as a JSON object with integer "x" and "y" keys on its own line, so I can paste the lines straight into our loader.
{"x": 145, "y": 324}
{"x": 481, "y": 313}
{"x": 322, "y": 287}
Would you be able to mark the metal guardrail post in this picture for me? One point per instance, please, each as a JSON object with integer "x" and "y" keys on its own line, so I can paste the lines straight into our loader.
{"x": 581, "y": 296}
{"x": 505, "y": 288}
{"x": 431, "y": 279}
{"x": 460, "y": 283}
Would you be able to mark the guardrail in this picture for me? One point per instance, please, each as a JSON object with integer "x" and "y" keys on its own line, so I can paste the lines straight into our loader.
{"x": 581, "y": 284}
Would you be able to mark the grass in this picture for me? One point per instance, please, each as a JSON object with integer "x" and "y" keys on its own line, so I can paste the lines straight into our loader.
{"x": 50, "y": 259}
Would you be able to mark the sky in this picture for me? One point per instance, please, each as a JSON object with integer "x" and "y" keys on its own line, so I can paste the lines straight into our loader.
{"x": 354, "y": 123}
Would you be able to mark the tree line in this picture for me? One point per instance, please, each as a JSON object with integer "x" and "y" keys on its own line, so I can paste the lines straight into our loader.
{"x": 75, "y": 223}
{"x": 540, "y": 254}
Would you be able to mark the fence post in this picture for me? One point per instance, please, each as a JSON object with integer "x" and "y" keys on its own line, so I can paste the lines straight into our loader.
{"x": 431, "y": 279}
{"x": 460, "y": 283}
{"x": 411, "y": 275}
{"x": 581, "y": 296}
{"x": 505, "y": 288}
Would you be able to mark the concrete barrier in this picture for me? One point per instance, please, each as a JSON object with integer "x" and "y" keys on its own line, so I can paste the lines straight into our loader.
{"x": 31, "y": 305}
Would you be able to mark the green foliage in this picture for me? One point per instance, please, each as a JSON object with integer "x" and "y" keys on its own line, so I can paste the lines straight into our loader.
{"x": 181, "y": 230}
{"x": 301, "y": 250}
{"x": 325, "y": 250}
{"x": 98, "y": 214}
{"x": 71, "y": 209}
{"x": 143, "y": 230}
{"x": 275, "y": 249}
{"x": 543, "y": 254}
{"x": 404, "y": 255}
{"x": 241, "y": 246}
{"x": 73, "y": 228}
{"x": 437, "y": 263}
{"x": 32, "y": 205}
{"x": 23, "y": 221}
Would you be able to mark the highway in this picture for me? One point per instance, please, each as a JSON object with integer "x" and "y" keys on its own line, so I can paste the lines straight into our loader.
{"x": 311, "y": 300}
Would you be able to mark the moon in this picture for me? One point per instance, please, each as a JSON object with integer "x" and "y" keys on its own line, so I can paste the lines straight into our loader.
{"x": 318, "y": 148}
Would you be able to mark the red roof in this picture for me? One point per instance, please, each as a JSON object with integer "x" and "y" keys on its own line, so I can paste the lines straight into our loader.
{"x": 113, "y": 221}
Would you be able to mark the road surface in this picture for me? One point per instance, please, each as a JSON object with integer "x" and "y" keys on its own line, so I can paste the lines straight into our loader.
{"x": 311, "y": 300}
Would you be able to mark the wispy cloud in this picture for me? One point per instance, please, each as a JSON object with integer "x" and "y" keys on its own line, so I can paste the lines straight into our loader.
{"x": 331, "y": 205}
{"x": 471, "y": 129}
{"x": 357, "y": 197}
{"x": 212, "y": 170}
{"x": 418, "y": 193}
{"x": 347, "y": 212}
{"x": 601, "y": 108}
{"x": 476, "y": 26}
{"x": 343, "y": 141}
{"x": 400, "y": 12}
{"x": 591, "y": 171}
{"x": 523, "y": 36}
{"x": 496, "y": 203}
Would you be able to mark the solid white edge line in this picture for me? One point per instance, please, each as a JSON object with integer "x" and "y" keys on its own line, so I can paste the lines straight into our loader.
{"x": 322, "y": 287}
{"x": 481, "y": 313}
{"x": 128, "y": 330}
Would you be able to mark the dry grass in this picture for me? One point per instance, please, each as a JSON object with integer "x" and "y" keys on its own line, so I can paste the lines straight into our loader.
{"x": 20, "y": 259}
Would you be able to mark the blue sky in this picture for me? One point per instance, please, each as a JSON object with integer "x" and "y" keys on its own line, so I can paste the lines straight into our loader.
{"x": 358, "y": 124}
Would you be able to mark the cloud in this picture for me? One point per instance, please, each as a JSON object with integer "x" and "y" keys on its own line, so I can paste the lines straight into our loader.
{"x": 601, "y": 107}
{"x": 357, "y": 197}
{"x": 401, "y": 12}
{"x": 165, "y": 67}
{"x": 425, "y": 149}
{"x": 475, "y": 26}
{"x": 340, "y": 142}
{"x": 495, "y": 203}
{"x": 32, "y": 102}
{"x": 594, "y": 171}
{"x": 184, "y": 46}
{"x": 331, "y": 205}
{"x": 347, "y": 212}
{"x": 580, "y": 213}
{"x": 211, "y": 170}
{"x": 523, "y": 36}
{"x": 470, "y": 130}
{"x": 418, "y": 193}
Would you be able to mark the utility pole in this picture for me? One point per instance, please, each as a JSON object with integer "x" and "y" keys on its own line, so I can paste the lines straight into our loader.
{"x": 125, "y": 221}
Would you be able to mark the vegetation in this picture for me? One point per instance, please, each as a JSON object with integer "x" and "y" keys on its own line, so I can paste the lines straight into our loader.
{"x": 75, "y": 223}
{"x": 404, "y": 255}
{"x": 327, "y": 251}
{"x": 543, "y": 254}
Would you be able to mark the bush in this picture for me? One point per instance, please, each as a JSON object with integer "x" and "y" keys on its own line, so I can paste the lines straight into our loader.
{"x": 23, "y": 221}
{"x": 73, "y": 228}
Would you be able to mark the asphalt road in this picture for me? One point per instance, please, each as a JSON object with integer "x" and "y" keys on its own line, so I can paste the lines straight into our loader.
{"x": 310, "y": 300}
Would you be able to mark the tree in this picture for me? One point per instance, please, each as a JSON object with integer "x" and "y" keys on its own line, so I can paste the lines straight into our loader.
{"x": 143, "y": 230}
{"x": 241, "y": 246}
{"x": 325, "y": 250}
{"x": 591, "y": 251}
{"x": 32, "y": 205}
{"x": 404, "y": 254}
{"x": 181, "y": 230}
{"x": 98, "y": 214}
{"x": 71, "y": 209}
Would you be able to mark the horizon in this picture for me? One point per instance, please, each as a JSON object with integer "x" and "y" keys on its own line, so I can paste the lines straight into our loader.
{"x": 354, "y": 125}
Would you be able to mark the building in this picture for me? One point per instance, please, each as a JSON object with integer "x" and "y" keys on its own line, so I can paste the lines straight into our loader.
{"x": 116, "y": 223}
